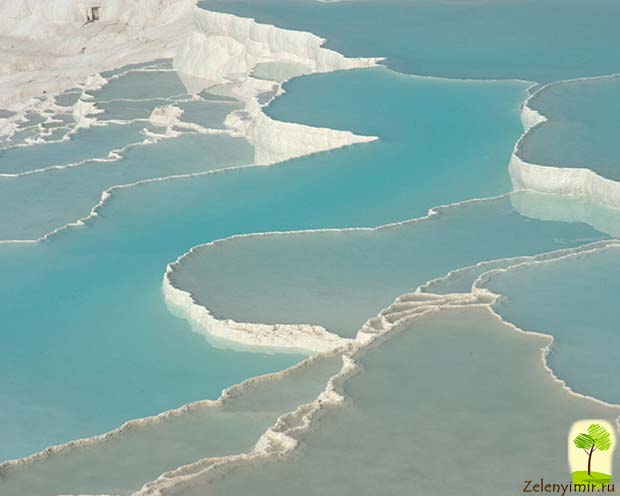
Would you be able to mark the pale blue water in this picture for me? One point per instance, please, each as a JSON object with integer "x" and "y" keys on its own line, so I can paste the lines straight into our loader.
{"x": 415, "y": 119}
{"x": 129, "y": 109}
{"x": 574, "y": 300}
{"x": 496, "y": 39}
{"x": 141, "y": 84}
{"x": 79, "y": 355}
{"x": 91, "y": 143}
{"x": 463, "y": 132}
{"x": 582, "y": 129}
{"x": 118, "y": 262}
{"x": 206, "y": 113}
{"x": 68, "y": 98}
{"x": 36, "y": 204}
{"x": 121, "y": 465}
{"x": 87, "y": 340}
{"x": 479, "y": 119}
{"x": 414, "y": 426}
{"x": 30, "y": 126}
{"x": 568, "y": 209}
{"x": 341, "y": 279}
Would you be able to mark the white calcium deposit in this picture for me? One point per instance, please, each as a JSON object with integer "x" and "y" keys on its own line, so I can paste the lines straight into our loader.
{"x": 165, "y": 116}
{"x": 281, "y": 337}
{"x": 276, "y": 141}
{"x": 46, "y": 46}
{"x": 223, "y": 50}
{"x": 553, "y": 178}
{"x": 227, "y": 47}
{"x": 580, "y": 182}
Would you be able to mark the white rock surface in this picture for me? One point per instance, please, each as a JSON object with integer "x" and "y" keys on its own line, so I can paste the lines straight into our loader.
{"x": 165, "y": 116}
{"x": 46, "y": 47}
{"x": 281, "y": 337}
{"x": 579, "y": 182}
{"x": 276, "y": 141}
{"x": 553, "y": 178}
{"x": 224, "y": 49}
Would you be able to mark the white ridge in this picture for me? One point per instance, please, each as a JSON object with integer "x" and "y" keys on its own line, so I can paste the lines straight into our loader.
{"x": 583, "y": 183}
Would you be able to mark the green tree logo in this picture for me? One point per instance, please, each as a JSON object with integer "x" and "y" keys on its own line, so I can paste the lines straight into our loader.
{"x": 596, "y": 439}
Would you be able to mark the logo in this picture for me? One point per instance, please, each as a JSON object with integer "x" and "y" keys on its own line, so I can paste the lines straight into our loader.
{"x": 591, "y": 444}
